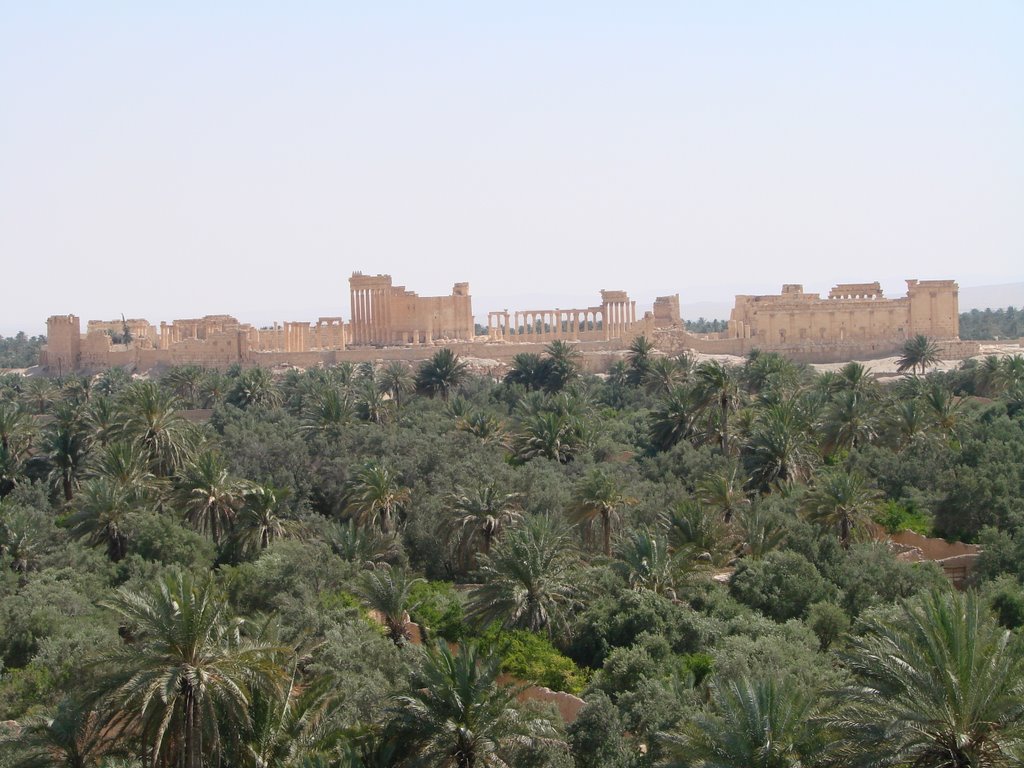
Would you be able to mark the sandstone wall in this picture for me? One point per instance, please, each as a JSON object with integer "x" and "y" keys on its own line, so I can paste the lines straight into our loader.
{"x": 856, "y": 312}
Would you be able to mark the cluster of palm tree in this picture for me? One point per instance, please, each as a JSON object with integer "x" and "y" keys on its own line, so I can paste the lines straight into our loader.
{"x": 115, "y": 449}
{"x": 938, "y": 682}
{"x": 940, "y": 685}
{"x": 782, "y": 420}
{"x": 192, "y": 685}
{"x": 554, "y": 370}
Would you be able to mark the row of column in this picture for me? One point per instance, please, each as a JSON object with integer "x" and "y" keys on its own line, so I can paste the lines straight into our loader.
{"x": 613, "y": 319}
{"x": 296, "y": 337}
{"x": 619, "y": 317}
{"x": 330, "y": 333}
{"x": 371, "y": 316}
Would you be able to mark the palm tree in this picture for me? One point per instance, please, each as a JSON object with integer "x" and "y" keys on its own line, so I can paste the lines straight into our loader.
{"x": 184, "y": 682}
{"x": 941, "y": 686}
{"x": 760, "y": 723}
{"x": 457, "y": 715}
{"x": 768, "y": 373}
{"x": 842, "y": 500}
{"x": 528, "y": 370}
{"x": 72, "y": 738}
{"x": 563, "y": 365}
{"x": 152, "y": 421}
{"x": 857, "y": 378}
{"x": 101, "y": 516}
{"x": 663, "y": 375}
{"x": 695, "y": 530}
{"x": 126, "y": 465}
{"x": 478, "y": 517}
{"x": 77, "y": 390}
{"x": 988, "y": 376}
{"x": 292, "y": 727}
{"x": 618, "y": 382}
{"x": 209, "y": 496}
{"x": 761, "y": 531}
{"x": 918, "y": 352}
{"x": 488, "y": 428}
{"x": 103, "y": 419}
{"x": 366, "y": 372}
{"x": 376, "y": 496}
{"x": 65, "y": 444}
{"x": 851, "y": 422}
{"x": 112, "y": 381}
{"x": 396, "y": 381}
{"x": 648, "y": 561}
{"x": 365, "y": 546}
{"x": 260, "y": 523}
{"x": 723, "y": 491}
{"x": 372, "y": 404}
{"x": 638, "y": 360}
{"x": 213, "y": 388}
{"x": 327, "y": 411}
{"x": 781, "y": 446}
{"x": 548, "y": 434}
{"x": 718, "y": 388}
{"x": 597, "y": 498}
{"x": 907, "y": 422}
{"x": 17, "y": 431}
{"x": 387, "y": 591}
{"x": 527, "y": 578}
{"x": 254, "y": 388}
{"x": 185, "y": 382}
{"x": 20, "y": 539}
{"x": 39, "y": 394}
{"x": 441, "y": 374}
{"x": 1012, "y": 374}
{"x": 675, "y": 419}
{"x": 941, "y": 405}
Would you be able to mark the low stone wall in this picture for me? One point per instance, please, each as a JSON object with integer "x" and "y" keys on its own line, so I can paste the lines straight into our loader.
{"x": 676, "y": 340}
{"x": 957, "y": 560}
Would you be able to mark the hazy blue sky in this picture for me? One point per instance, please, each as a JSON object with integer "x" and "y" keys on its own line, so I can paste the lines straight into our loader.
{"x": 246, "y": 157}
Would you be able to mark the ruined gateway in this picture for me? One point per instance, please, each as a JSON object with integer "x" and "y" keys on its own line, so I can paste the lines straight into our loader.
{"x": 389, "y": 322}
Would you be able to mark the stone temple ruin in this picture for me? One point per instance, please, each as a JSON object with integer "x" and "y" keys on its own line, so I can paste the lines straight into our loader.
{"x": 389, "y": 322}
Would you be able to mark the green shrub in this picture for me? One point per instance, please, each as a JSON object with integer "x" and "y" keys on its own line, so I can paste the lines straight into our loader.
{"x": 828, "y": 621}
{"x": 533, "y": 659}
{"x": 438, "y": 610}
{"x": 782, "y": 586}
{"x": 896, "y": 517}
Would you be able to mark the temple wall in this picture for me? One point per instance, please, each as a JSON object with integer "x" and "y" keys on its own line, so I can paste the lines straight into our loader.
{"x": 852, "y": 312}
{"x": 385, "y": 314}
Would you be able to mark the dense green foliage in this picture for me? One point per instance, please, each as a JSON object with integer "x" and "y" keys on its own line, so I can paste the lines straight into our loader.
{"x": 992, "y": 324}
{"x": 20, "y": 350}
{"x": 702, "y": 325}
{"x": 363, "y": 565}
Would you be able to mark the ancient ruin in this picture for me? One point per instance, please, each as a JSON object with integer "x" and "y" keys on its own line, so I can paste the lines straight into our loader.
{"x": 384, "y": 315}
{"x": 389, "y": 322}
{"x": 851, "y": 311}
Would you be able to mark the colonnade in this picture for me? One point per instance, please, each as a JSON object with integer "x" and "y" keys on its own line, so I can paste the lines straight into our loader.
{"x": 371, "y": 315}
{"x": 620, "y": 315}
{"x": 611, "y": 320}
{"x": 329, "y": 333}
{"x": 296, "y": 337}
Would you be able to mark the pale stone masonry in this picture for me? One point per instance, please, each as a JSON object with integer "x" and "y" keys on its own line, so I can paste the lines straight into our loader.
{"x": 389, "y": 322}
{"x": 855, "y": 311}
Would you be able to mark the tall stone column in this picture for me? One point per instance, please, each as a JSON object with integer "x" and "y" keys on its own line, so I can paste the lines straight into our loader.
{"x": 357, "y": 320}
{"x": 353, "y": 319}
